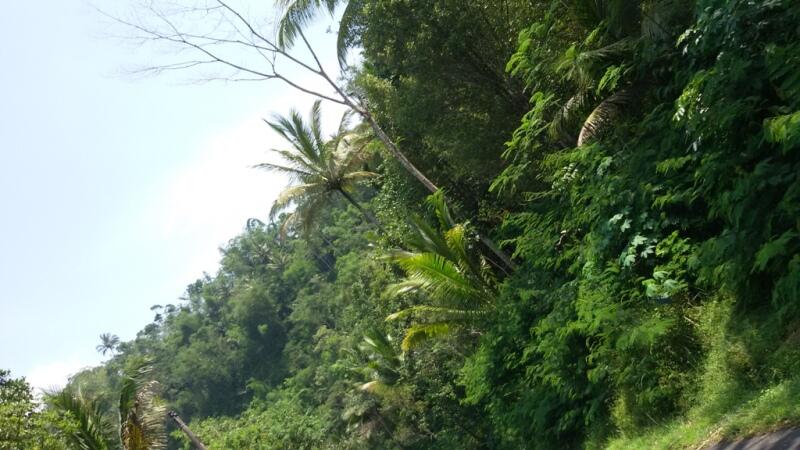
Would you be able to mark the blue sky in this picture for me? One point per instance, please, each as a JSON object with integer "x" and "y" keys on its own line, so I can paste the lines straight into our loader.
{"x": 115, "y": 191}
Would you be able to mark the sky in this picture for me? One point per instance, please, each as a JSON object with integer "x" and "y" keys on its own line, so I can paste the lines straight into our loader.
{"x": 117, "y": 190}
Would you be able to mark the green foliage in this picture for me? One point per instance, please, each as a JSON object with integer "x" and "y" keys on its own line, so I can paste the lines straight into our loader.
{"x": 23, "y": 424}
{"x": 284, "y": 424}
{"x": 445, "y": 266}
{"x": 85, "y": 426}
{"x": 694, "y": 193}
{"x": 322, "y": 167}
{"x": 639, "y": 158}
{"x": 434, "y": 76}
{"x": 142, "y": 413}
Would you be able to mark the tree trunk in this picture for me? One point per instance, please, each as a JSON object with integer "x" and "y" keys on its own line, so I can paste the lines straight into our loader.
{"x": 398, "y": 155}
{"x": 199, "y": 445}
{"x": 367, "y": 215}
{"x": 409, "y": 166}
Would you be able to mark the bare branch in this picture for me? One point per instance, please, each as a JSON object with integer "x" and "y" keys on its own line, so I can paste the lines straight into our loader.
{"x": 273, "y": 47}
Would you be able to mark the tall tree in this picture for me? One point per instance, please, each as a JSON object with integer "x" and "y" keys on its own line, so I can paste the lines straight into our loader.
{"x": 108, "y": 343}
{"x": 320, "y": 167}
{"x": 229, "y": 32}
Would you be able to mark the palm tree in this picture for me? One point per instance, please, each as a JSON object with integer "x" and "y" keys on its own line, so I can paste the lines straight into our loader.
{"x": 383, "y": 363}
{"x": 377, "y": 369}
{"x": 320, "y": 167}
{"x": 141, "y": 415}
{"x": 91, "y": 430}
{"x": 108, "y": 343}
{"x": 445, "y": 267}
{"x": 141, "y": 412}
{"x": 296, "y": 14}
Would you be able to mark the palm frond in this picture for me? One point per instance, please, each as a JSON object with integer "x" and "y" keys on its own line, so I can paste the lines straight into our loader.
{"x": 602, "y": 56}
{"x": 440, "y": 208}
{"x": 293, "y": 129}
{"x": 603, "y": 114}
{"x": 375, "y": 387}
{"x": 380, "y": 344}
{"x": 458, "y": 241}
{"x": 567, "y": 117}
{"x": 289, "y": 223}
{"x": 296, "y": 16}
{"x": 304, "y": 217}
{"x": 403, "y": 287}
{"x": 344, "y": 123}
{"x": 421, "y": 332}
{"x": 439, "y": 278}
{"x": 354, "y": 177}
{"x": 315, "y": 125}
{"x": 284, "y": 127}
{"x": 437, "y": 313}
{"x": 90, "y": 430}
{"x": 426, "y": 238}
{"x": 384, "y": 359}
{"x": 295, "y": 194}
{"x": 347, "y": 34}
{"x": 582, "y": 66}
{"x": 282, "y": 169}
{"x": 142, "y": 414}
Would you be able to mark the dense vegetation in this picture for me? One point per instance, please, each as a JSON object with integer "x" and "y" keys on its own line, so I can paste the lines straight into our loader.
{"x": 640, "y": 162}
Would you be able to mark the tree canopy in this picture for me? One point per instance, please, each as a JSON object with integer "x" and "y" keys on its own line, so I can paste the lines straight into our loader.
{"x": 637, "y": 163}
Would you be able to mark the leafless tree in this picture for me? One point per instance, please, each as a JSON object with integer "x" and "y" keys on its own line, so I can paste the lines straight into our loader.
{"x": 213, "y": 33}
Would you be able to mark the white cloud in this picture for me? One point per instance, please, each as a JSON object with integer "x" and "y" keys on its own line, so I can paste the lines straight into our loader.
{"x": 53, "y": 375}
{"x": 209, "y": 200}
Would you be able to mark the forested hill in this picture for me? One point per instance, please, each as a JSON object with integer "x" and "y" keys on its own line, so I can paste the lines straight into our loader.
{"x": 611, "y": 259}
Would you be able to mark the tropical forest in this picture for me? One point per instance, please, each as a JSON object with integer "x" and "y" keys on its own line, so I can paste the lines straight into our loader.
{"x": 538, "y": 224}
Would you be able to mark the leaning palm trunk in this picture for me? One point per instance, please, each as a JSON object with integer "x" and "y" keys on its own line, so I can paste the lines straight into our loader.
{"x": 416, "y": 173}
{"x": 296, "y": 14}
{"x": 367, "y": 215}
{"x": 192, "y": 437}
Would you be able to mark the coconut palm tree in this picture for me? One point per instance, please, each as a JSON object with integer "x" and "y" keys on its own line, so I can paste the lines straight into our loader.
{"x": 446, "y": 268}
{"x": 319, "y": 168}
{"x": 141, "y": 415}
{"x": 108, "y": 343}
{"x": 376, "y": 365}
{"x": 296, "y": 14}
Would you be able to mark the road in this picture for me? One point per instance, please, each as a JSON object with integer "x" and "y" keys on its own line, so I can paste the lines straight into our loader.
{"x": 779, "y": 440}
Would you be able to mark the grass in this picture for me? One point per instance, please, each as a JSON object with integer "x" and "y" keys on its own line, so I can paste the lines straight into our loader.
{"x": 753, "y": 413}
{"x": 748, "y": 385}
